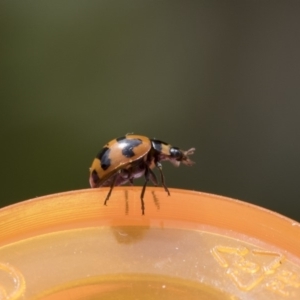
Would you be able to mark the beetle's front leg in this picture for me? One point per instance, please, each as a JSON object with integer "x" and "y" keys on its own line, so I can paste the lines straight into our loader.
{"x": 159, "y": 166}
{"x": 113, "y": 182}
{"x": 152, "y": 177}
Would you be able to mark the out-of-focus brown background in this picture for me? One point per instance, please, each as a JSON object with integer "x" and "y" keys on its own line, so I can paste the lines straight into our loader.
{"x": 221, "y": 76}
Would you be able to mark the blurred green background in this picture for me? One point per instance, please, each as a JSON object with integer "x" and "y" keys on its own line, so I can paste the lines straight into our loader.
{"x": 221, "y": 76}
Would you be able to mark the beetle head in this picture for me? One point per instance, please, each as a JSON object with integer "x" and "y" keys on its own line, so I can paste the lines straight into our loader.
{"x": 177, "y": 156}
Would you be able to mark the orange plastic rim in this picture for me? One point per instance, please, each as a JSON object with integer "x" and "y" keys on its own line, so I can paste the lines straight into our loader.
{"x": 85, "y": 208}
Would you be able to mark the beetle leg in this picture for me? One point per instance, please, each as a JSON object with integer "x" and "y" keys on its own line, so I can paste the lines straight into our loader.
{"x": 111, "y": 187}
{"x": 153, "y": 178}
{"x": 159, "y": 166}
{"x": 127, "y": 174}
{"x": 147, "y": 175}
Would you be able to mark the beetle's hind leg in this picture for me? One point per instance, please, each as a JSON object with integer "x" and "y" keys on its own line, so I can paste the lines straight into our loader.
{"x": 162, "y": 177}
{"x": 113, "y": 182}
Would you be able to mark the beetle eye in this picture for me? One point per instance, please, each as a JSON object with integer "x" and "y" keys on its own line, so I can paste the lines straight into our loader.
{"x": 176, "y": 153}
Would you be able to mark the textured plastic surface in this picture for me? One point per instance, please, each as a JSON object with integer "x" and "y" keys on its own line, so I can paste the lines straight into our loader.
{"x": 189, "y": 245}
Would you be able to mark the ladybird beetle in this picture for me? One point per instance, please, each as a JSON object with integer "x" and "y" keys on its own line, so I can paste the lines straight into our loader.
{"x": 132, "y": 156}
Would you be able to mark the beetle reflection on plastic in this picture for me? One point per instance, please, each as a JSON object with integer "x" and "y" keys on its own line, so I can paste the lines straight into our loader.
{"x": 132, "y": 156}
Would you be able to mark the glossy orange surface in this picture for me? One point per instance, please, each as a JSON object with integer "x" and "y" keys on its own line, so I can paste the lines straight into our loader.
{"x": 187, "y": 245}
{"x": 86, "y": 207}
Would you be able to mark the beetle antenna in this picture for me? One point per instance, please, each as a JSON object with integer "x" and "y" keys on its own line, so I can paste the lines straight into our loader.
{"x": 187, "y": 161}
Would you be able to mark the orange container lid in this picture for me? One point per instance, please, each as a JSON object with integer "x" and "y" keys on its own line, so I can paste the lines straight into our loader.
{"x": 189, "y": 244}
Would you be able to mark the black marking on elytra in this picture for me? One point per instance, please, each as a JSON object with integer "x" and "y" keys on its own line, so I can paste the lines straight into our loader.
{"x": 95, "y": 177}
{"x": 104, "y": 158}
{"x": 127, "y": 149}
